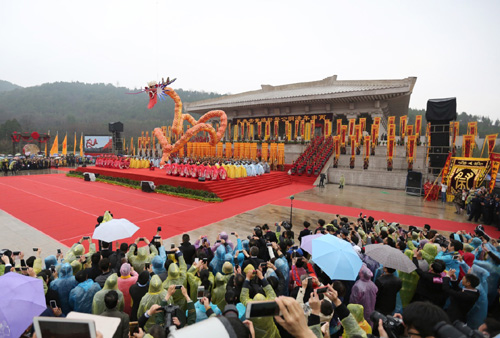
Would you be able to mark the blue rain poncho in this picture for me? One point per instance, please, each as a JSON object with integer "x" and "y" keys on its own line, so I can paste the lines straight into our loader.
{"x": 479, "y": 311}
{"x": 63, "y": 285}
{"x": 81, "y": 297}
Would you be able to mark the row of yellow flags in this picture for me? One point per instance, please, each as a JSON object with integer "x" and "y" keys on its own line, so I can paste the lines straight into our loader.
{"x": 55, "y": 146}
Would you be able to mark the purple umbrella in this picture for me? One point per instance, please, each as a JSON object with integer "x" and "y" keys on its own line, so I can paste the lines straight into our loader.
{"x": 306, "y": 242}
{"x": 22, "y": 299}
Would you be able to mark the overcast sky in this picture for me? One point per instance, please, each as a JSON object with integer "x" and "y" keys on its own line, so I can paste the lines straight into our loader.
{"x": 451, "y": 46}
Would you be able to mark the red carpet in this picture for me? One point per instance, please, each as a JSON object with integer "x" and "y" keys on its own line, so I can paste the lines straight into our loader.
{"x": 66, "y": 208}
{"x": 438, "y": 224}
{"x": 225, "y": 189}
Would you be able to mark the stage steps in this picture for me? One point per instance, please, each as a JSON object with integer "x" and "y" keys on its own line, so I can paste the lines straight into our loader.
{"x": 233, "y": 188}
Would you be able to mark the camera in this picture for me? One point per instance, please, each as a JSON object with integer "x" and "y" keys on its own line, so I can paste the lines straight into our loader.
{"x": 286, "y": 225}
{"x": 170, "y": 312}
{"x": 393, "y": 326}
{"x": 457, "y": 330}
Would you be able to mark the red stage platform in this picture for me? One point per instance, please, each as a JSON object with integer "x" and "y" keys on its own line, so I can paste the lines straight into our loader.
{"x": 225, "y": 189}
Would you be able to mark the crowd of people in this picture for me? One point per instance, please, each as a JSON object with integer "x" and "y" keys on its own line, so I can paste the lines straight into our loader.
{"x": 16, "y": 164}
{"x": 223, "y": 280}
{"x": 478, "y": 205}
{"x": 213, "y": 168}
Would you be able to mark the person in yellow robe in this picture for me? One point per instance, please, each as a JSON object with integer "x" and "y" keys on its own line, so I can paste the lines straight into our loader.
{"x": 231, "y": 171}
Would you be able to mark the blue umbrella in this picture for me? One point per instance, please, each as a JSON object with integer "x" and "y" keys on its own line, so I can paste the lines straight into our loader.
{"x": 22, "y": 299}
{"x": 336, "y": 257}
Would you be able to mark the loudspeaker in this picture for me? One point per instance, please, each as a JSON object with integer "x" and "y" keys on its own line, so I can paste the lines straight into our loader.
{"x": 441, "y": 110}
{"x": 440, "y": 145}
{"x": 201, "y": 179}
{"x": 147, "y": 186}
{"x": 115, "y": 127}
{"x": 89, "y": 177}
{"x": 414, "y": 179}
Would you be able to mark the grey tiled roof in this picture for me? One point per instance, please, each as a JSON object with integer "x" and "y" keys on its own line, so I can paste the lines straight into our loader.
{"x": 308, "y": 90}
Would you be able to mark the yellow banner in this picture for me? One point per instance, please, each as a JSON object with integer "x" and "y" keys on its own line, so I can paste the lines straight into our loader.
{"x": 392, "y": 130}
{"x": 402, "y": 126}
{"x": 391, "y": 120}
{"x": 264, "y": 152}
{"x": 55, "y": 146}
{"x": 367, "y": 146}
{"x": 362, "y": 123}
{"x": 65, "y": 145}
{"x": 467, "y": 173}
{"x": 352, "y": 123}
{"x": 467, "y": 145}
{"x": 418, "y": 125}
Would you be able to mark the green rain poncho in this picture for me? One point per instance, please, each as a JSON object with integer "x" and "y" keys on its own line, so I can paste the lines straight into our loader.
{"x": 155, "y": 295}
{"x": 221, "y": 279}
{"x": 410, "y": 281}
{"x": 177, "y": 276}
{"x": 357, "y": 312}
{"x": 143, "y": 256}
{"x": 194, "y": 281}
{"x": 264, "y": 326}
{"x": 219, "y": 291}
{"x": 78, "y": 250}
{"x": 98, "y": 305}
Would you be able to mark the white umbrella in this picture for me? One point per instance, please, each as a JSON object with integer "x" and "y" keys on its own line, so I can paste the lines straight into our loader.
{"x": 390, "y": 257}
{"x": 117, "y": 228}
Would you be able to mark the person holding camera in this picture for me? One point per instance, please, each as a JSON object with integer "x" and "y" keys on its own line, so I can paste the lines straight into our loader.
{"x": 264, "y": 326}
{"x": 419, "y": 319}
{"x": 144, "y": 254}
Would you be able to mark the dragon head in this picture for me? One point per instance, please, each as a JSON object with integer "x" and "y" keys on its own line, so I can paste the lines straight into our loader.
{"x": 152, "y": 90}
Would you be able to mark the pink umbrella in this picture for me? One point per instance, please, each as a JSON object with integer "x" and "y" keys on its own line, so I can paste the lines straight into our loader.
{"x": 306, "y": 242}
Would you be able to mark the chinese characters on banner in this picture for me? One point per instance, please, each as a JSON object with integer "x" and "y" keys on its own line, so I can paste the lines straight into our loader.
{"x": 466, "y": 173}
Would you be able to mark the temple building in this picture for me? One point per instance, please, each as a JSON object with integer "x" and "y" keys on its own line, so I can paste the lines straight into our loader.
{"x": 300, "y": 111}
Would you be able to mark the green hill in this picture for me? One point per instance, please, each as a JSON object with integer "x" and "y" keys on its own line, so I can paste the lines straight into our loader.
{"x": 86, "y": 108}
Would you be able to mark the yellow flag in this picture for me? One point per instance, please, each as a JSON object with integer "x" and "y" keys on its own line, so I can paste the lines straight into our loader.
{"x": 55, "y": 146}
{"x": 81, "y": 145}
{"x": 74, "y": 146}
{"x": 65, "y": 145}
{"x": 46, "y": 149}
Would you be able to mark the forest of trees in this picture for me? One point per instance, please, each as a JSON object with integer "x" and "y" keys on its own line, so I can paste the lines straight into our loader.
{"x": 88, "y": 108}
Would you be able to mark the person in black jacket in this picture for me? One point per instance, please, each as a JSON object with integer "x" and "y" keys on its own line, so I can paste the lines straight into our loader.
{"x": 188, "y": 250}
{"x": 137, "y": 291}
{"x": 388, "y": 287}
{"x": 306, "y": 231}
{"x": 430, "y": 284}
{"x": 461, "y": 300}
